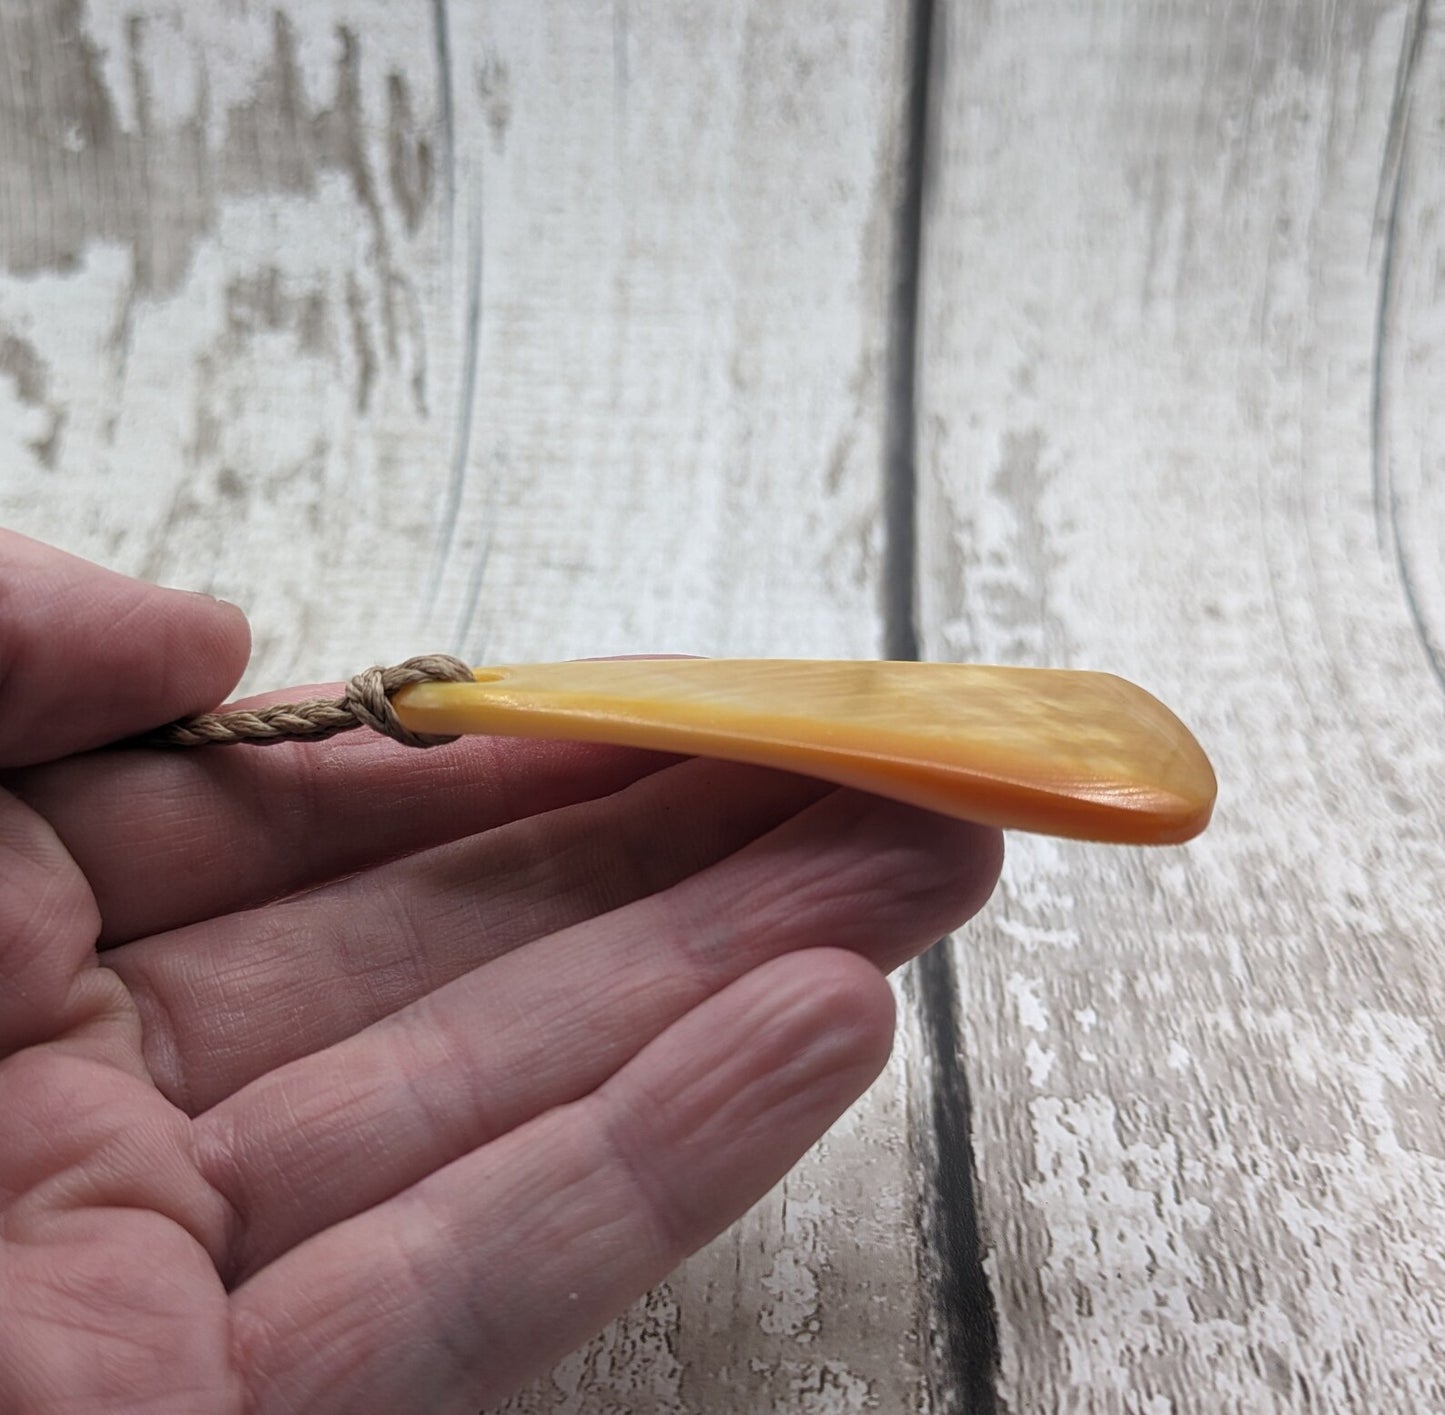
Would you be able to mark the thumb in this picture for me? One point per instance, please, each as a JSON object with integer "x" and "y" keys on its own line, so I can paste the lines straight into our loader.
{"x": 88, "y": 656}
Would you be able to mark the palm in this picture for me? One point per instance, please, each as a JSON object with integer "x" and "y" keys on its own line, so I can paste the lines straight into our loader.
{"x": 399, "y": 1073}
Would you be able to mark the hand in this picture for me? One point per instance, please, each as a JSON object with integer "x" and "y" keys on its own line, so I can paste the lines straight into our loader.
{"x": 395, "y": 1074}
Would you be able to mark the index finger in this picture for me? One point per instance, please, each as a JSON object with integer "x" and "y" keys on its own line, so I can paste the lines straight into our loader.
{"x": 168, "y": 838}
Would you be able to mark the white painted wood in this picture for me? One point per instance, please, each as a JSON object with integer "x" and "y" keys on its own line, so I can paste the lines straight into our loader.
{"x": 523, "y": 330}
{"x": 1180, "y": 364}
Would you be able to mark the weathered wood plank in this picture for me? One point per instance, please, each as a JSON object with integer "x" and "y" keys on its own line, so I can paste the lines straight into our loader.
{"x": 1408, "y": 418}
{"x": 525, "y": 330}
{"x": 1179, "y": 369}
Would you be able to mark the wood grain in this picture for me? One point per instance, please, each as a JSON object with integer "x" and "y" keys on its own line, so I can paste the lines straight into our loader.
{"x": 540, "y": 329}
{"x": 1180, "y": 341}
{"x": 520, "y": 331}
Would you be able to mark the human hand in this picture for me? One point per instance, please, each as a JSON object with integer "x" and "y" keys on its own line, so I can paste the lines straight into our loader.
{"x": 397, "y": 1074}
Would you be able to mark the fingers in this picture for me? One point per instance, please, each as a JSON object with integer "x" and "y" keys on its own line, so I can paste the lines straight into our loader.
{"x": 317, "y": 968}
{"x": 88, "y": 656}
{"x": 167, "y": 837}
{"x": 47, "y": 929}
{"x": 483, "y": 1274}
{"x": 326, "y": 1136}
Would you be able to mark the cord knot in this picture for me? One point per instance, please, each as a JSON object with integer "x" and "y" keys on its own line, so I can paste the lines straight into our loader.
{"x": 368, "y": 695}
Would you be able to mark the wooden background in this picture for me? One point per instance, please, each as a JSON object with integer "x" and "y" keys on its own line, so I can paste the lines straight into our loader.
{"x": 1100, "y": 334}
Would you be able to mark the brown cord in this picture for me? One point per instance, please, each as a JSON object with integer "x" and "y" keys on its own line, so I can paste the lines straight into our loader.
{"x": 366, "y": 703}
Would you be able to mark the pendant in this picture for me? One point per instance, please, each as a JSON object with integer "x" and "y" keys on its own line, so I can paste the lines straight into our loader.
{"x": 1054, "y": 751}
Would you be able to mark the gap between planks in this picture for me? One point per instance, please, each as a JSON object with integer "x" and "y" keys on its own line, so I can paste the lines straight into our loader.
{"x": 963, "y": 1345}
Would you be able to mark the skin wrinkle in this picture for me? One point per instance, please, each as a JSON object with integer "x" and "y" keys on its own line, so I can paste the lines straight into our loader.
{"x": 258, "y": 829}
{"x": 230, "y": 1162}
{"x": 580, "y": 1006}
{"x": 841, "y": 1071}
{"x": 457, "y": 1338}
{"x": 214, "y": 1147}
{"x": 830, "y": 1012}
{"x": 228, "y": 1165}
{"x": 46, "y": 896}
{"x": 158, "y": 1041}
{"x": 341, "y": 940}
{"x": 103, "y": 1172}
{"x": 384, "y": 958}
{"x": 699, "y": 969}
{"x": 427, "y": 1053}
{"x": 789, "y": 874}
{"x": 248, "y": 842}
{"x": 625, "y": 1137}
{"x": 668, "y": 1227}
{"x": 591, "y": 1210}
{"x": 577, "y": 1213}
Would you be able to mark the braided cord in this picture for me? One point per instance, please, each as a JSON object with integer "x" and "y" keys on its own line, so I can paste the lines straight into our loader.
{"x": 366, "y": 703}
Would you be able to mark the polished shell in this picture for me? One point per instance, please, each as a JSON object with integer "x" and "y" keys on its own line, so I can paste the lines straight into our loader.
{"x": 1059, "y": 752}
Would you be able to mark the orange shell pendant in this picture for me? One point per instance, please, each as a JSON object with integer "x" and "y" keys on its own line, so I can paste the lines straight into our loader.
{"x": 1058, "y": 752}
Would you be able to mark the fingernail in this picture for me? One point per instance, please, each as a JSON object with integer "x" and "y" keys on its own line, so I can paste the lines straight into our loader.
{"x": 213, "y": 599}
